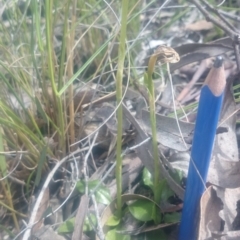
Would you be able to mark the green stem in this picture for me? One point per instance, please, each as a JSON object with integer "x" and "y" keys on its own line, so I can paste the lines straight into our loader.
{"x": 121, "y": 57}
{"x": 150, "y": 86}
{"x": 56, "y": 95}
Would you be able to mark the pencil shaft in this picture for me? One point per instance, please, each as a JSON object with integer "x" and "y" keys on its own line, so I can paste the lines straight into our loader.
{"x": 205, "y": 130}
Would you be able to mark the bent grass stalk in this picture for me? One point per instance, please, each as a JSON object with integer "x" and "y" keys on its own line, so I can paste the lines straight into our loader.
{"x": 56, "y": 95}
{"x": 5, "y": 184}
{"x": 149, "y": 83}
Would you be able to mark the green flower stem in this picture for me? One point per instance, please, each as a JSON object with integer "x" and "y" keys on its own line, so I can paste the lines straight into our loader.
{"x": 149, "y": 83}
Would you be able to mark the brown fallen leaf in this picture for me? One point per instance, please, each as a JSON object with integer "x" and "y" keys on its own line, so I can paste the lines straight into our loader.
{"x": 218, "y": 214}
{"x": 210, "y": 206}
{"x": 167, "y": 131}
{"x": 200, "y": 25}
{"x": 40, "y": 211}
{"x": 190, "y": 53}
{"x": 224, "y": 170}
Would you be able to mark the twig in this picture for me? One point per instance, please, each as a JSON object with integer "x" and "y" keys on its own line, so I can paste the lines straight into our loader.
{"x": 80, "y": 217}
{"x": 99, "y": 228}
{"x": 218, "y": 23}
{"x": 32, "y": 220}
{"x": 85, "y": 163}
{"x": 215, "y": 10}
{"x": 225, "y": 26}
{"x": 230, "y": 16}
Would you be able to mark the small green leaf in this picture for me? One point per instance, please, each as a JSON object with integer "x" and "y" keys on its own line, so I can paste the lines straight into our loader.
{"x": 113, "y": 221}
{"x": 142, "y": 210}
{"x": 3, "y": 164}
{"x": 113, "y": 235}
{"x": 88, "y": 224}
{"x": 67, "y": 226}
{"x": 102, "y": 194}
{"x": 92, "y": 184}
{"x": 157, "y": 216}
{"x": 172, "y": 217}
{"x": 165, "y": 190}
{"x": 177, "y": 175}
{"x": 80, "y": 186}
{"x": 41, "y": 162}
{"x": 147, "y": 178}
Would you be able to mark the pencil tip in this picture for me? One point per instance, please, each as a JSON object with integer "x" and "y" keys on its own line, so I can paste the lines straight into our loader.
{"x": 216, "y": 79}
{"x": 218, "y": 62}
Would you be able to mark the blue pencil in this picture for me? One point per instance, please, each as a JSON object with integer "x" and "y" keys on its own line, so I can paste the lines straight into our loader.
{"x": 205, "y": 130}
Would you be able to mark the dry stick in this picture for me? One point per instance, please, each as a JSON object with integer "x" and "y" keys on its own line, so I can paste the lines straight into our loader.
{"x": 100, "y": 232}
{"x": 32, "y": 220}
{"x": 236, "y": 50}
{"x": 230, "y": 16}
{"x": 204, "y": 64}
{"x": 215, "y": 10}
{"x": 233, "y": 35}
{"x": 80, "y": 216}
{"x": 225, "y": 28}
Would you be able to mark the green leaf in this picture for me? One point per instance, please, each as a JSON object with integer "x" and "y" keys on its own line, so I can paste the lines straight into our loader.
{"x": 113, "y": 235}
{"x": 102, "y": 194}
{"x": 165, "y": 190}
{"x": 172, "y": 217}
{"x": 177, "y": 175}
{"x": 147, "y": 178}
{"x": 157, "y": 216}
{"x": 3, "y": 164}
{"x": 113, "y": 221}
{"x": 40, "y": 110}
{"x": 88, "y": 224}
{"x": 67, "y": 226}
{"x": 80, "y": 186}
{"x": 143, "y": 210}
{"x": 156, "y": 235}
{"x": 41, "y": 161}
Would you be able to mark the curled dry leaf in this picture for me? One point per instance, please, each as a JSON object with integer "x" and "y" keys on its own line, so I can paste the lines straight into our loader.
{"x": 210, "y": 206}
{"x": 218, "y": 214}
{"x": 166, "y": 54}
